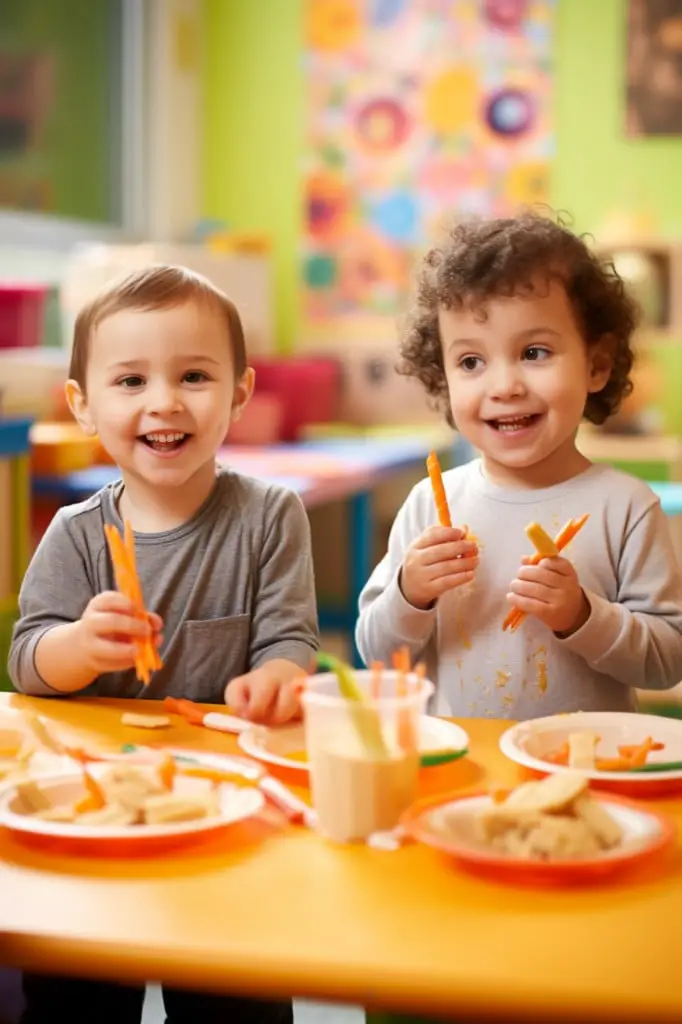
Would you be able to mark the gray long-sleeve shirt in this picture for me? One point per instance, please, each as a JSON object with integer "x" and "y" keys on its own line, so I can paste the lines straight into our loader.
{"x": 626, "y": 565}
{"x": 234, "y": 586}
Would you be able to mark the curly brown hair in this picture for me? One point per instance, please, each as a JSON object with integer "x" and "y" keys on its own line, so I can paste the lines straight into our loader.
{"x": 505, "y": 257}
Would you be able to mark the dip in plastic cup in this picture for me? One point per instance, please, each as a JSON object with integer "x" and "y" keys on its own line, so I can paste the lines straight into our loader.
{"x": 363, "y": 755}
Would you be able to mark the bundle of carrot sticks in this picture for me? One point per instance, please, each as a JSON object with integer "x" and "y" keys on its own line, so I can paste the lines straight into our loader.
{"x": 122, "y": 552}
{"x": 545, "y": 547}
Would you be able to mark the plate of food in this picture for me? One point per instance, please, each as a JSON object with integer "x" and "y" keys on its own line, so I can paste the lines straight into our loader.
{"x": 28, "y": 749}
{"x": 111, "y": 807}
{"x": 627, "y": 753}
{"x": 555, "y": 831}
{"x": 440, "y": 741}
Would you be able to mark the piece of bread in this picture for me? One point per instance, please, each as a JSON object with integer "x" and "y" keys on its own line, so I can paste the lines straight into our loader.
{"x": 167, "y": 807}
{"x": 599, "y": 821}
{"x": 145, "y": 721}
{"x": 112, "y": 814}
{"x": 63, "y": 813}
{"x": 32, "y": 797}
{"x": 581, "y": 748}
{"x": 552, "y": 794}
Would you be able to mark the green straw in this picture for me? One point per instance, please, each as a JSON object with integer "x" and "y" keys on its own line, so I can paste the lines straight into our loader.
{"x": 366, "y": 720}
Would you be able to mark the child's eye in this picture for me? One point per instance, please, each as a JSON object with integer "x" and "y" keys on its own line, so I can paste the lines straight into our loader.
{"x": 535, "y": 353}
{"x": 194, "y": 377}
{"x": 131, "y": 382}
{"x": 470, "y": 363}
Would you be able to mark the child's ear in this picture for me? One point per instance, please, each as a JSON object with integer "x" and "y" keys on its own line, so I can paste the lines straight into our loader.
{"x": 243, "y": 391}
{"x": 601, "y": 363}
{"x": 78, "y": 405}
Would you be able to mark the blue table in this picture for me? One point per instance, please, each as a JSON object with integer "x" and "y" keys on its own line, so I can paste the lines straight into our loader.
{"x": 671, "y": 497}
{"x": 320, "y": 472}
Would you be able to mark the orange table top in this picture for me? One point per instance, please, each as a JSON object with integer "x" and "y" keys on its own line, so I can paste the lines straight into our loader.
{"x": 285, "y": 912}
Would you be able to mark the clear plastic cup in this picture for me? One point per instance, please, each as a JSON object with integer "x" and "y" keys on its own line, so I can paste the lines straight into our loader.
{"x": 363, "y": 755}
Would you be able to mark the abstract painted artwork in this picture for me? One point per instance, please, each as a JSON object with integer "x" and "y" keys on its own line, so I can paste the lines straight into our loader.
{"x": 415, "y": 110}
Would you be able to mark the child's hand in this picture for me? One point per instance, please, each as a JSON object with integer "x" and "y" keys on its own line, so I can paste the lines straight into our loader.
{"x": 269, "y": 694}
{"x": 441, "y": 559}
{"x": 552, "y": 593}
{"x": 108, "y": 629}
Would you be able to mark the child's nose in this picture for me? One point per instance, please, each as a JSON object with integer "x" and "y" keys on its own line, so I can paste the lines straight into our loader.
{"x": 163, "y": 397}
{"x": 507, "y": 382}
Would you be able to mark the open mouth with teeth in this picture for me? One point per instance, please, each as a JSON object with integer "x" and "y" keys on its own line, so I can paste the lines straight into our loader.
{"x": 166, "y": 441}
{"x": 512, "y": 424}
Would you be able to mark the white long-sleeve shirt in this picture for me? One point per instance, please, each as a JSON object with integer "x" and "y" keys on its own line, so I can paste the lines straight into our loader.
{"x": 626, "y": 565}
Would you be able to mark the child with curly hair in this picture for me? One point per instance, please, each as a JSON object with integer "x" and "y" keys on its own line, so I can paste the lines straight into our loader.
{"x": 519, "y": 331}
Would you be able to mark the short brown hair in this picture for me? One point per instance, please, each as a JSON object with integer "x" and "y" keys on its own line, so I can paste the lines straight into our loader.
{"x": 159, "y": 286}
{"x": 481, "y": 260}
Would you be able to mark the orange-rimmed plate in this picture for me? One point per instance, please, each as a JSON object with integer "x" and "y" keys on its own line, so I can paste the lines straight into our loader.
{"x": 646, "y": 834}
{"x": 528, "y": 742}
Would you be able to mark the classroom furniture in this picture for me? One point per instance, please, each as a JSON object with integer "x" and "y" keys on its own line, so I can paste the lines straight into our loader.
{"x": 14, "y": 527}
{"x": 321, "y": 472}
{"x": 261, "y": 910}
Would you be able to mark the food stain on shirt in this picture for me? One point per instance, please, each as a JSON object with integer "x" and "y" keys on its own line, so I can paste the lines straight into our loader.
{"x": 502, "y": 678}
{"x": 541, "y": 668}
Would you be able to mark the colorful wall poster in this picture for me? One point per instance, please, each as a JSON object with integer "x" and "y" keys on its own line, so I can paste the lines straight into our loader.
{"x": 416, "y": 110}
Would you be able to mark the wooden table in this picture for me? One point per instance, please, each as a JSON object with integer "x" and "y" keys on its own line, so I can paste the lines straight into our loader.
{"x": 284, "y": 912}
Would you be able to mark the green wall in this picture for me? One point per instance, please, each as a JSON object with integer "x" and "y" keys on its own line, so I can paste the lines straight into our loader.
{"x": 597, "y": 167}
{"x": 76, "y": 151}
{"x": 254, "y": 129}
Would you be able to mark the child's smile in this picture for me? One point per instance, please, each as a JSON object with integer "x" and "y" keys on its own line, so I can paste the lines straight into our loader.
{"x": 165, "y": 443}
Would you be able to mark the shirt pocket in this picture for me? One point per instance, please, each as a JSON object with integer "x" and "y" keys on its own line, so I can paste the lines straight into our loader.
{"x": 215, "y": 651}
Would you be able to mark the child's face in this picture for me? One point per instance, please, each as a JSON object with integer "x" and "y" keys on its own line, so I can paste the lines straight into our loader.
{"x": 161, "y": 392}
{"x": 518, "y": 383}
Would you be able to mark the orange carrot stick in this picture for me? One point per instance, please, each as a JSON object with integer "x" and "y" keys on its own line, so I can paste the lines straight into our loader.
{"x": 562, "y": 540}
{"x": 122, "y": 552}
{"x": 436, "y": 477}
{"x": 377, "y": 668}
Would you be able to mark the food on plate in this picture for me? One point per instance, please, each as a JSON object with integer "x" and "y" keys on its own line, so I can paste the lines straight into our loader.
{"x": 554, "y": 819}
{"x": 126, "y": 795}
{"x": 145, "y": 721}
{"x": 580, "y": 752}
{"x": 581, "y": 748}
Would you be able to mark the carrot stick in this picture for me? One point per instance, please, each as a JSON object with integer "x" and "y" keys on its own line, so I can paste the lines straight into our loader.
{"x": 562, "y": 540}
{"x": 559, "y": 756}
{"x": 436, "y": 477}
{"x": 122, "y": 552}
{"x": 375, "y": 681}
{"x": 406, "y": 733}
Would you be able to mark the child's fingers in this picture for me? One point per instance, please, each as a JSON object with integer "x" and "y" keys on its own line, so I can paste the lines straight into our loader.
{"x": 112, "y": 601}
{"x": 438, "y": 535}
{"x": 543, "y": 573}
{"x": 448, "y": 552}
{"x": 454, "y": 567}
{"x": 115, "y": 654}
{"x": 286, "y": 706}
{"x": 111, "y": 623}
{"x": 532, "y": 590}
{"x": 237, "y": 695}
{"x": 451, "y": 581}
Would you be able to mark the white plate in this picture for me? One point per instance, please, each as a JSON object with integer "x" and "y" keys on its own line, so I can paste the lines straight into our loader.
{"x": 439, "y": 741}
{"x": 236, "y": 803}
{"x": 527, "y": 742}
